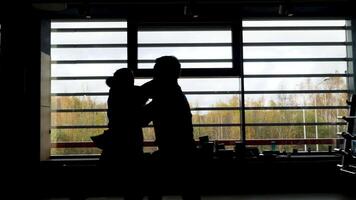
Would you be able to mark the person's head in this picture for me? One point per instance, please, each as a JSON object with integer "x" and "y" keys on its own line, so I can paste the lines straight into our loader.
{"x": 166, "y": 68}
{"x": 122, "y": 77}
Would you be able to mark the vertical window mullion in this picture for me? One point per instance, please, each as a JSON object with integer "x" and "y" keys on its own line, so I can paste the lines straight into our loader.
{"x": 132, "y": 45}
{"x": 237, "y": 59}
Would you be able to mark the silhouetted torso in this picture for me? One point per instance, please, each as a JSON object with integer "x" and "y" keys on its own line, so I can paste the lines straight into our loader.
{"x": 125, "y": 106}
{"x": 172, "y": 120}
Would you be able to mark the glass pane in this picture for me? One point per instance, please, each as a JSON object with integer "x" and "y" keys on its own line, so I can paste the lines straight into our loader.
{"x": 300, "y": 148}
{"x": 295, "y": 36}
{"x": 216, "y": 117}
{"x": 219, "y": 65}
{"x": 91, "y": 102}
{"x": 294, "y": 67}
{"x": 79, "y": 118}
{"x": 218, "y": 133}
{"x": 149, "y": 134}
{"x": 141, "y": 81}
{"x": 75, "y": 151}
{"x": 78, "y": 86}
{"x": 148, "y": 149}
{"x": 214, "y": 133}
{"x": 227, "y": 100}
{"x": 289, "y": 132}
{"x": 85, "y": 69}
{"x": 262, "y": 23}
{"x": 323, "y": 99}
{"x": 88, "y": 54}
{"x": 88, "y": 24}
{"x": 274, "y": 132}
{"x": 204, "y": 84}
{"x": 329, "y": 83}
{"x": 295, "y": 83}
{"x": 74, "y": 135}
{"x": 88, "y": 38}
{"x": 185, "y": 52}
{"x": 184, "y": 37}
{"x": 295, "y": 52}
{"x": 79, "y": 102}
{"x": 209, "y": 84}
{"x": 294, "y": 116}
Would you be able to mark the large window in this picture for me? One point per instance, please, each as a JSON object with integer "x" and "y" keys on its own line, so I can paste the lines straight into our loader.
{"x": 197, "y": 48}
{"x": 200, "y": 49}
{"x": 294, "y": 79}
{"x": 83, "y": 54}
{"x": 295, "y": 82}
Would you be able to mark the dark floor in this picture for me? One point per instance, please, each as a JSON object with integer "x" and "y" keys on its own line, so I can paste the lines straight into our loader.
{"x": 245, "y": 197}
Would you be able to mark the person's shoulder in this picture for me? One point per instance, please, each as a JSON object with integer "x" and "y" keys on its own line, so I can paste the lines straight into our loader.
{"x": 148, "y": 85}
{"x": 147, "y": 89}
{"x": 178, "y": 87}
{"x": 178, "y": 90}
{"x": 139, "y": 93}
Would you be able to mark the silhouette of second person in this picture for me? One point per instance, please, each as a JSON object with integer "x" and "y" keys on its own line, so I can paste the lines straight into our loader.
{"x": 170, "y": 110}
{"x": 172, "y": 120}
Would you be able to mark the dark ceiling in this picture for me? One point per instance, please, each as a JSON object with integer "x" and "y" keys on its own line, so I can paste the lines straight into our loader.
{"x": 186, "y": 9}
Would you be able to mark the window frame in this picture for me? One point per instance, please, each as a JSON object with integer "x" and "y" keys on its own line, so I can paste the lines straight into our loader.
{"x": 347, "y": 59}
{"x": 234, "y": 71}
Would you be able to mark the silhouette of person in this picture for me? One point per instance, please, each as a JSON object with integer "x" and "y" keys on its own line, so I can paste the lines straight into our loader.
{"x": 172, "y": 121}
{"x": 122, "y": 143}
{"x": 125, "y": 104}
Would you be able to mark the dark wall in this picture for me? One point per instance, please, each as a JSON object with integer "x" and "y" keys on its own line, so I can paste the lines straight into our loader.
{"x": 20, "y": 93}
